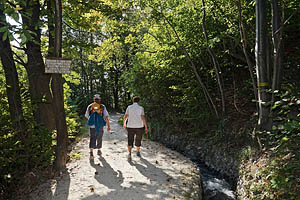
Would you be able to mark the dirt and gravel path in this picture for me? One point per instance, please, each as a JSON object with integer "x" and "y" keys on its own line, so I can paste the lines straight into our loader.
{"x": 159, "y": 173}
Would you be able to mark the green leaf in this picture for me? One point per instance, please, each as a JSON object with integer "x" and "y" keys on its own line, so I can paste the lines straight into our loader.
{"x": 4, "y": 29}
{"x": 15, "y": 16}
{"x": 4, "y": 37}
{"x": 23, "y": 39}
{"x": 10, "y": 36}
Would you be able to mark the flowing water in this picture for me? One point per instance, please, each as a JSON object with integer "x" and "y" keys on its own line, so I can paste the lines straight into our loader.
{"x": 215, "y": 186}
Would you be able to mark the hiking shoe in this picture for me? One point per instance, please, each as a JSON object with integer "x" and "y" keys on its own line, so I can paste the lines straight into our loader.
{"x": 99, "y": 152}
{"x": 129, "y": 156}
{"x": 91, "y": 156}
{"x": 138, "y": 154}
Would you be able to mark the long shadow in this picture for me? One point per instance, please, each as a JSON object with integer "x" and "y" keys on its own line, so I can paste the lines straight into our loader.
{"x": 137, "y": 190}
{"x": 106, "y": 175}
{"x": 151, "y": 171}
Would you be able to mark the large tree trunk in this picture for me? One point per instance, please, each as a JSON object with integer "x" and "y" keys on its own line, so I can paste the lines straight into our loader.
{"x": 12, "y": 80}
{"x": 263, "y": 83}
{"x": 38, "y": 80}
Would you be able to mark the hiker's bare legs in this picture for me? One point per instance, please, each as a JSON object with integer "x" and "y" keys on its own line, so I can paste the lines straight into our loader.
{"x": 129, "y": 152}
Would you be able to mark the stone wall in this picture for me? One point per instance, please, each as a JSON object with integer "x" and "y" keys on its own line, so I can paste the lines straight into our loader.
{"x": 220, "y": 159}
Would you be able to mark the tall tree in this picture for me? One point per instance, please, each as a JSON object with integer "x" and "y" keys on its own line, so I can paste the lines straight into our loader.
{"x": 215, "y": 62}
{"x": 35, "y": 67}
{"x": 262, "y": 67}
{"x": 58, "y": 95}
{"x": 245, "y": 50}
{"x": 277, "y": 31}
{"x": 12, "y": 80}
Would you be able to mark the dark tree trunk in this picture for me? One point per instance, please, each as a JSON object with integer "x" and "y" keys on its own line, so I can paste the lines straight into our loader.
{"x": 12, "y": 80}
{"x": 38, "y": 80}
{"x": 245, "y": 51}
{"x": 278, "y": 46}
{"x": 58, "y": 97}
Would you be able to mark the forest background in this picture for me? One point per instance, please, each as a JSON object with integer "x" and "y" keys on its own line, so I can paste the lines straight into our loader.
{"x": 224, "y": 71}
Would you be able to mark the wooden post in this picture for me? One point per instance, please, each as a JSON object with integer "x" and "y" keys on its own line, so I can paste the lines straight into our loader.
{"x": 58, "y": 96}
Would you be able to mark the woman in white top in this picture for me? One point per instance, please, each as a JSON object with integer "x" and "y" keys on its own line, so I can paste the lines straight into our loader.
{"x": 135, "y": 122}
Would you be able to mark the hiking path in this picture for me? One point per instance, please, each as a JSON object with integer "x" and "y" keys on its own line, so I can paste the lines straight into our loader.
{"x": 159, "y": 173}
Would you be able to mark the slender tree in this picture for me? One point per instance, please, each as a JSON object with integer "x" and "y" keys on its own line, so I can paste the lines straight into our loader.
{"x": 277, "y": 31}
{"x": 245, "y": 50}
{"x": 11, "y": 76}
{"x": 58, "y": 96}
{"x": 215, "y": 62}
{"x": 262, "y": 71}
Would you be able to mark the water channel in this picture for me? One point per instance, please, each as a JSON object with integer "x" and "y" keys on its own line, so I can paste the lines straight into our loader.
{"x": 214, "y": 185}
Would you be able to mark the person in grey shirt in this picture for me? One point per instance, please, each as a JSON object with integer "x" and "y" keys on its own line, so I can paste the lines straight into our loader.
{"x": 96, "y": 128}
{"x": 135, "y": 123}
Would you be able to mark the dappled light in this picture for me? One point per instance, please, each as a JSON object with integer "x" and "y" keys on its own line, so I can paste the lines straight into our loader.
{"x": 218, "y": 107}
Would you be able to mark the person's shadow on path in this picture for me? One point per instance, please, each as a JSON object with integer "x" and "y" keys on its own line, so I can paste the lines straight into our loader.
{"x": 106, "y": 175}
{"x": 150, "y": 171}
{"x": 158, "y": 179}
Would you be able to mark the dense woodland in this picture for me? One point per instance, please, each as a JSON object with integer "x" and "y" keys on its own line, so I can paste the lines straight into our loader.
{"x": 211, "y": 69}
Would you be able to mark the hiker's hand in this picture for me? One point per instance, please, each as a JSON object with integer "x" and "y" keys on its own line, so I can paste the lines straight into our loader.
{"x": 124, "y": 126}
{"x": 108, "y": 128}
{"x": 146, "y": 130}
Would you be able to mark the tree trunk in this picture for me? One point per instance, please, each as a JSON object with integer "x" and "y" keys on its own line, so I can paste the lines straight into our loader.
{"x": 116, "y": 90}
{"x": 278, "y": 47}
{"x": 264, "y": 122}
{"x": 193, "y": 67}
{"x": 245, "y": 47}
{"x": 58, "y": 97}
{"x": 38, "y": 80}
{"x": 215, "y": 62}
{"x": 12, "y": 80}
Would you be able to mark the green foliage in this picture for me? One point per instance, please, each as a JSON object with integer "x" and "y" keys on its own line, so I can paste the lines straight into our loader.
{"x": 146, "y": 48}
{"x": 22, "y": 153}
{"x": 282, "y": 173}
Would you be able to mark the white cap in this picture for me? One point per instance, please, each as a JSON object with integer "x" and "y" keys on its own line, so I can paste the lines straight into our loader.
{"x": 97, "y": 96}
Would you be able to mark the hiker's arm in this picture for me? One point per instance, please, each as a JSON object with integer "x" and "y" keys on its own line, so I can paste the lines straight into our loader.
{"x": 124, "y": 121}
{"x": 87, "y": 112}
{"x": 145, "y": 123}
{"x": 107, "y": 122}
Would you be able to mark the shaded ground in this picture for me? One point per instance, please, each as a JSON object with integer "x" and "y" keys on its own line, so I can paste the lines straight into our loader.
{"x": 159, "y": 174}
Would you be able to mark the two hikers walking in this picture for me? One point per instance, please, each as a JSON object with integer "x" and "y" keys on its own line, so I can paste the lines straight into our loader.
{"x": 134, "y": 121}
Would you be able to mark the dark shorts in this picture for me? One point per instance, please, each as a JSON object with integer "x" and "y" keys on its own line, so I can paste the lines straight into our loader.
{"x": 95, "y": 139}
{"x": 137, "y": 133}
